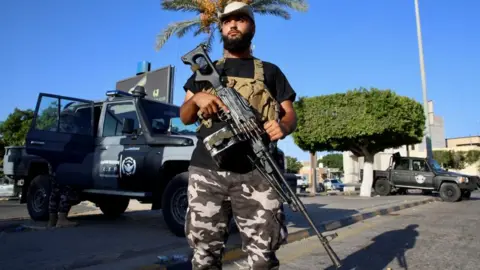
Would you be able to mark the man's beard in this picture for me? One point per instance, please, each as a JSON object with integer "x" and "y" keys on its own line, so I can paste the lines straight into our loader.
{"x": 238, "y": 44}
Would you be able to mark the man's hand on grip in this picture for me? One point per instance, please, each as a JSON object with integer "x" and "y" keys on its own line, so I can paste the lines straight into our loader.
{"x": 209, "y": 104}
{"x": 274, "y": 130}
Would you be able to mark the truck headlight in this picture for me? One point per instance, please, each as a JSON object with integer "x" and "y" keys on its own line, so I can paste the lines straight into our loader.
{"x": 462, "y": 180}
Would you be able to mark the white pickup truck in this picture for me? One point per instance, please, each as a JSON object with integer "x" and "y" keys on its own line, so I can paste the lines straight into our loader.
{"x": 302, "y": 183}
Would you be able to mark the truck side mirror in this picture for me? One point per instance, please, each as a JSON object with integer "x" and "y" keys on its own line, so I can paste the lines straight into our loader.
{"x": 127, "y": 126}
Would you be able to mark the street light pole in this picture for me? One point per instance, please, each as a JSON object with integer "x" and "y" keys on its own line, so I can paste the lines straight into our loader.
{"x": 428, "y": 139}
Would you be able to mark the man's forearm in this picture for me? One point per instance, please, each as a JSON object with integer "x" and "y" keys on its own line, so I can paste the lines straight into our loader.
{"x": 289, "y": 122}
{"x": 188, "y": 112}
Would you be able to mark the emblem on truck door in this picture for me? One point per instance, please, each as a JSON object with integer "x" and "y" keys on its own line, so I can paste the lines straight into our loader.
{"x": 129, "y": 166}
{"x": 420, "y": 178}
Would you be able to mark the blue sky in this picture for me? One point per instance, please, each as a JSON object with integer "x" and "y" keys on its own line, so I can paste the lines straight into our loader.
{"x": 81, "y": 48}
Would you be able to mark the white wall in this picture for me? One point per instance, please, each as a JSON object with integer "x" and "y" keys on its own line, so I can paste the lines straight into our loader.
{"x": 352, "y": 165}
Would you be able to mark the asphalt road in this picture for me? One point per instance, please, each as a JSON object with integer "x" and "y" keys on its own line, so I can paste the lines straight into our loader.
{"x": 14, "y": 210}
{"x": 433, "y": 236}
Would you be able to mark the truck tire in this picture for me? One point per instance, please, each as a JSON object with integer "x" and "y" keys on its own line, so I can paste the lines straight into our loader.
{"x": 113, "y": 206}
{"x": 175, "y": 204}
{"x": 450, "y": 192}
{"x": 38, "y": 197}
{"x": 382, "y": 187}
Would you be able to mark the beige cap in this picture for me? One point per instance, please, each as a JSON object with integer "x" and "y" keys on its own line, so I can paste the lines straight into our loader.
{"x": 237, "y": 8}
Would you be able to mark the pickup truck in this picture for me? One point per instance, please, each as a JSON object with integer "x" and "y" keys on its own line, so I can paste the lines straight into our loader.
{"x": 302, "y": 183}
{"x": 110, "y": 151}
{"x": 426, "y": 174}
{"x": 17, "y": 164}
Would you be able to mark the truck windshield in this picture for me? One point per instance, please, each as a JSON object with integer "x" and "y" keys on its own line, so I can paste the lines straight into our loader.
{"x": 161, "y": 116}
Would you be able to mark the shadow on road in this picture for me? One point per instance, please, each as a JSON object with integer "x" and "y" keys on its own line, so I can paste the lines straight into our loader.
{"x": 318, "y": 213}
{"x": 386, "y": 247}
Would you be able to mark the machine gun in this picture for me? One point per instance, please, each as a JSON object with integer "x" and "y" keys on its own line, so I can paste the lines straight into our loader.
{"x": 243, "y": 126}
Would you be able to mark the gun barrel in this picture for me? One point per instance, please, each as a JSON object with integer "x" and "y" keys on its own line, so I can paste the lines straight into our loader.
{"x": 292, "y": 199}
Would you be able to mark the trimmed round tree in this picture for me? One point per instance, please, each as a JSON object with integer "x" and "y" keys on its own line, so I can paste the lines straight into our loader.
{"x": 363, "y": 121}
{"x": 293, "y": 165}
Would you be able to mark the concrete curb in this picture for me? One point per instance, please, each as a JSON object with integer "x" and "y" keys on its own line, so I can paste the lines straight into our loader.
{"x": 236, "y": 253}
{"x": 347, "y": 193}
{"x": 9, "y": 199}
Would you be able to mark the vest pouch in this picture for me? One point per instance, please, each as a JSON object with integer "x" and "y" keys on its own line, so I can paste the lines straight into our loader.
{"x": 264, "y": 103}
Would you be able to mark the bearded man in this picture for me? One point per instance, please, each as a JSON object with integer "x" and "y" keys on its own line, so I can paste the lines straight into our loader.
{"x": 256, "y": 207}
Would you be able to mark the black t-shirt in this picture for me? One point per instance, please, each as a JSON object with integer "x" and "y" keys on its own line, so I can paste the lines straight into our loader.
{"x": 278, "y": 86}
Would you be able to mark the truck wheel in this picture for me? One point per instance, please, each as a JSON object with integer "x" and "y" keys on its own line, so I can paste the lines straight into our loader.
{"x": 383, "y": 187}
{"x": 175, "y": 204}
{"x": 450, "y": 192}
{"x": 38, "y": 197}
{"x": 113, "y": 206}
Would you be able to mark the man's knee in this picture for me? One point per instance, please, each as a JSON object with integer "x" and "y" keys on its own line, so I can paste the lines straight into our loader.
{"x": 206, "y": 225}
{"x": 262, "y": 224}
{"x": 206, "y": 234}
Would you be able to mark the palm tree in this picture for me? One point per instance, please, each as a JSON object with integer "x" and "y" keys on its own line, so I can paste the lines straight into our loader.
{"x": 206, "y": 21}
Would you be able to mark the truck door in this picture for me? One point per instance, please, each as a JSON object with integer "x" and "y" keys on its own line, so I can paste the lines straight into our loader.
{"x": 119, "y": 157}
{"x": 422, "y": 176}
{"x": 62, "y": 133}
{"x": 401, "y": 172}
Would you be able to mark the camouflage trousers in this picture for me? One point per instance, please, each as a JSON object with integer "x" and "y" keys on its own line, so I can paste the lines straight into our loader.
{"x": 59, "y": 201}
{"x": 256, "y": 209}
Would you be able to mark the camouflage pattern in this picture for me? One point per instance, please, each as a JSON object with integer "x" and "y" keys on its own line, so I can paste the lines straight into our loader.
{"x": 255, "y": 206}
{"x": 60, "y": 198}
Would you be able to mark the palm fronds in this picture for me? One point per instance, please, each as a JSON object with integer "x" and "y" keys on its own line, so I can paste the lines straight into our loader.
{"x": 210, "y": 38}
{"x": 207, "y": 21}
{"x": 193, "y": 24}
{"x": 298, "y": 5}
{"x": 273, "y": 10}
{"x": 181, "y": 5}
{"x": 180, "y": 27}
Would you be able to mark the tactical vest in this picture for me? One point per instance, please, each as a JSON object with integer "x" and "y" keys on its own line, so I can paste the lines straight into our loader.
{"x": 254, "y": 90}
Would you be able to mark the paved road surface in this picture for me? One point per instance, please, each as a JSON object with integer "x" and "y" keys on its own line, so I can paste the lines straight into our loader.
{"x": 434, "y": 236}
{"x": 140, "y": 236}
{"x": 14, "y": 210}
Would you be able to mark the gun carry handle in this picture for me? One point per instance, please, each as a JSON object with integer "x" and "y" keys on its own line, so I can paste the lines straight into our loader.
{"x": 191, "y": 58}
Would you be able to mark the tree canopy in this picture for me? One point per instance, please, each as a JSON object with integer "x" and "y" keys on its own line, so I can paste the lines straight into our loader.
{"x": 14, "y": 129}
{"x": 333, "y": 160}
{"x": 293, "y": 165}
{"x": 363, "y": 121}
{"x": 206, "y": 19}
{"x": 457, "y": 160}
